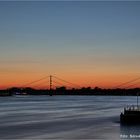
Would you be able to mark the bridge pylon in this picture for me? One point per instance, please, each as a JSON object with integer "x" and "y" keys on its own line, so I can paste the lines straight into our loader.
{"x": 50, "y": 85}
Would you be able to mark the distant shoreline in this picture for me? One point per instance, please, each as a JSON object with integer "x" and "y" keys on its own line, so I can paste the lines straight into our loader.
{"x": 74, "y": 92}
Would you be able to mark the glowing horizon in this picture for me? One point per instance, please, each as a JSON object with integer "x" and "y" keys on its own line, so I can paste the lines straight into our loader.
{"x": 88, "y": 43}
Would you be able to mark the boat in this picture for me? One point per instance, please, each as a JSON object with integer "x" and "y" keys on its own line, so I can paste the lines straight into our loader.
{"x": 130, "y": 115}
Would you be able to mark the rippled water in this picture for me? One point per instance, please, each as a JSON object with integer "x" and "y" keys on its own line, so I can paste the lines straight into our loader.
{"x": 64, "y": 117}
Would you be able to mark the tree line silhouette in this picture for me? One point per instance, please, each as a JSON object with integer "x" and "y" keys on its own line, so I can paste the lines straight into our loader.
{"x": 64, "y": 91}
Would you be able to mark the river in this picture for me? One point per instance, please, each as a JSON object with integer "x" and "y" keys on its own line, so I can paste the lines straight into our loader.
{"x": 65, "y": 117}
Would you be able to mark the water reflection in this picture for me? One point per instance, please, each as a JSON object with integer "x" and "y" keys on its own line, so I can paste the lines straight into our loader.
{"x": 63, "y": 117}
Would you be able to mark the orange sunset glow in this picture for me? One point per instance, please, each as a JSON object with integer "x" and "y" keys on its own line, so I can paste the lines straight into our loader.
{"x": 86, "y": 44}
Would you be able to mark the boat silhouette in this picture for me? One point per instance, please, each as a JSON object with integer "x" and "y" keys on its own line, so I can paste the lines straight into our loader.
{"x": 131, "y": 114}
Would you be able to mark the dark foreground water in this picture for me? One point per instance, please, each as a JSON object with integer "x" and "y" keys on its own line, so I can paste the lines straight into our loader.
{"x": 65, "y": 117}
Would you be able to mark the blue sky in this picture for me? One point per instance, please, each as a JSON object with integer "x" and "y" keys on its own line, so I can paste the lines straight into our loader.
{"x": 97, "y": 38}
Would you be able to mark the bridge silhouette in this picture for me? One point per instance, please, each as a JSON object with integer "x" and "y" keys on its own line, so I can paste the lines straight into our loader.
{"x": 54, "y": 85}
{"x": 129, "y": 84}
{"x": 53, "y": 82}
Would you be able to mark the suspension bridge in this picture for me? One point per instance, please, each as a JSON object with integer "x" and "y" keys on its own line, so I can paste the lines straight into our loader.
{"x": 51, "y": 82}
{"x": 129, "y": 84}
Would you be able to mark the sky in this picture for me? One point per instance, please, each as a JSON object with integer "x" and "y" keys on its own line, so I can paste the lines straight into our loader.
{"x": 89, "y": 43}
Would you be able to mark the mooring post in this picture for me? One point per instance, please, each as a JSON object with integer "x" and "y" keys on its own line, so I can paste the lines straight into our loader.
{"x": 137, "y": 100}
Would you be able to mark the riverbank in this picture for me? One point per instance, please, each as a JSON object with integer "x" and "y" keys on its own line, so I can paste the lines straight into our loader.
{"x": 74, "y": 92}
